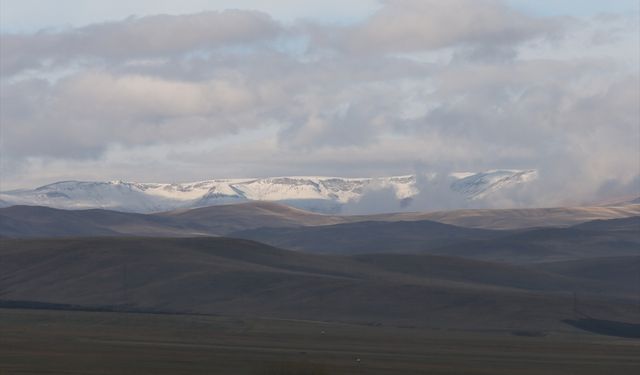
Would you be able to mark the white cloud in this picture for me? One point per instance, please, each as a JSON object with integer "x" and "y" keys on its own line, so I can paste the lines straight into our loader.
{"x": 456, "y": 85}
{"x": 418, "y": 25}
{"x": 149, "y": 36}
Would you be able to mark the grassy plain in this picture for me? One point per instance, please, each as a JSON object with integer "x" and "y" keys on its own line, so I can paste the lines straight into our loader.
{"x": 77, "y": 342}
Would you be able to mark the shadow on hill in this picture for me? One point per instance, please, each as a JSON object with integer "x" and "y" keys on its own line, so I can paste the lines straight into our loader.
{"x": 606, "y": 327}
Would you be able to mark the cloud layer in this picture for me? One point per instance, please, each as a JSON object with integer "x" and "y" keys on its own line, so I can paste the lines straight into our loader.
{"x": 419, "y": 85}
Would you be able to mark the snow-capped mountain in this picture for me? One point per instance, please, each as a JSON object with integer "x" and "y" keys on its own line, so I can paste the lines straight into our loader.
{"x": 480, "y": 185}
{"x": 315, "y": 193}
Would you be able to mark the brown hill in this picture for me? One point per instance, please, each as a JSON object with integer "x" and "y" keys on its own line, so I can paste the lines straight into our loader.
{"x": 34, "y": 222}
{"x": 229, "y": 218}
{"x": 245, "y": 278}
{"x": 589, "y": 240}
{"x": 619, "y": 237}
{"x": 368, "y": 237}
{"x": 516, "y": 218}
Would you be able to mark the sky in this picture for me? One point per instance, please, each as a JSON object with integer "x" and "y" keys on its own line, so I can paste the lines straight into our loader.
{"x": 170, "y": 91}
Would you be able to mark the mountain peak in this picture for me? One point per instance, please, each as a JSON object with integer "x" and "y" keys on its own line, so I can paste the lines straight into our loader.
{"x": 306, "y": 192}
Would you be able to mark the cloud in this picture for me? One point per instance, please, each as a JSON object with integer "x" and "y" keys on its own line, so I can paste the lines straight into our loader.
{"x": 405, "y": 26}
{"x": 448, "y": 85}
{"x": 84, "y": 113}
{"x": 375, "y": 199}
{"x": 143, "y": 37}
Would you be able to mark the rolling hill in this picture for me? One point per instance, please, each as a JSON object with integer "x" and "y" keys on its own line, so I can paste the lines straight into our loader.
{"x": 517, "y": 218}
{"x": 245, "y": 278}
{"x": 368, "y": 237}
{"x": 34, "y": 221}
{"x": 597, "y": 239}
{"x": 622, "y": 271}
{"x": 555, "y": 244}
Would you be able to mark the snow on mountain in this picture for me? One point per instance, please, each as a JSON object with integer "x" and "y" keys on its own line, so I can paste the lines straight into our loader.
{"x": 480, "y": 185}
{"x": 303, "y": 192}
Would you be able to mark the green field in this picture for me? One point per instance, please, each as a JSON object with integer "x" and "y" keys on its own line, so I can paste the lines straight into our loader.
{"x": 75, "y": 342}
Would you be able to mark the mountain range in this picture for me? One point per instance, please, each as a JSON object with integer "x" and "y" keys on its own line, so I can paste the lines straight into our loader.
{"x": 321, "y": 194}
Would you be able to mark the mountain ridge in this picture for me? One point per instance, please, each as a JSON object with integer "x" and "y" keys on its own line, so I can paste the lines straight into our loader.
{"x": 39, "y": 222}
{"x": 316, "y": 193}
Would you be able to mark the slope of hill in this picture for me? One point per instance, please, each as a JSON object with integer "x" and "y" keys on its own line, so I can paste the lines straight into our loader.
{"x": 33, "y": 221}
{"x": 552, "y": 244}
{"x": 627, "y": 224}
{"x": 244, "y": 278}
{"x": 621, "y": 271}
{"x": 367, "y": 237}
{"x": 228, "y": 218}
{"x": 516, "y": 218}
{"x": 620, "y": 238}
{"x": 477, "y": 272}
